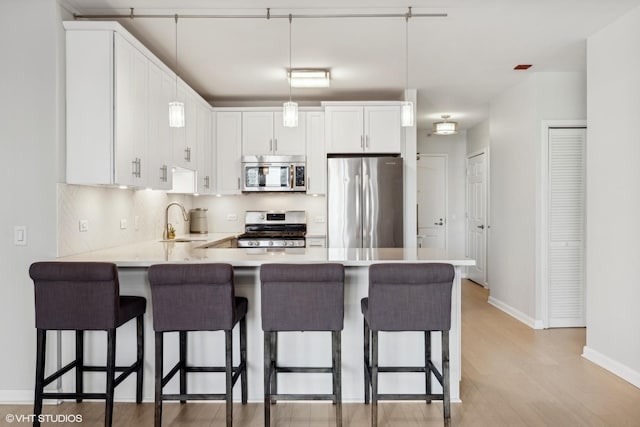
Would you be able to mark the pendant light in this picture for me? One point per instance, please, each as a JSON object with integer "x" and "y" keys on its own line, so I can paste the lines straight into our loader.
{"x": 290, "y": 109}
{"x": 176, "y": 108}
{"x": 406, "y": 108}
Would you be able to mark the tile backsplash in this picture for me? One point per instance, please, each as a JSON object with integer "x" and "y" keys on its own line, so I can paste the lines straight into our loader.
{"x": 103, "y": 208}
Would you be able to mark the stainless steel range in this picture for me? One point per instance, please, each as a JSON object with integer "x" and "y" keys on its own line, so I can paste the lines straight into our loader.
{"x": 270, "y": 229}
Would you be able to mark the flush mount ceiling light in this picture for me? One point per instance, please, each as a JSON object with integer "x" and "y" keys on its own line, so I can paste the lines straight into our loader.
{"x": 290, "y": 109}
{"x": 445, "y": 127}
{"x": 176, "y": 108}
{"x": 406, "y": 108}
{"x": 309, "y": 78}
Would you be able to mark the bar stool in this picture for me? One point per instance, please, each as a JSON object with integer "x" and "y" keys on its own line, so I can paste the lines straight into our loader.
{"x": 84, "y": 296}
{"x": 301, "y": 297}
{"x": 407, "y": 297}
{"x": 197, "y": 297}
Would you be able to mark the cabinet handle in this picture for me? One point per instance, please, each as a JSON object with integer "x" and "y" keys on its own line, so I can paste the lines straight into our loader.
{"x": 206, "y": 182}
{"x": 275, "y": 144}
{"x": 238, "y": 183}
{"x": 271, "y": 145}
{"x": 136, "y": 167}
{"x": 163, "y": 173}
{"x": 361, "y": 141}
{"x": 366, "y": 144}
{"x": 187, "y": 154}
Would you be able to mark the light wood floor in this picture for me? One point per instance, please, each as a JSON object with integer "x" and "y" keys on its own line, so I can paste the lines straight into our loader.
{"x": 511, "y": 376}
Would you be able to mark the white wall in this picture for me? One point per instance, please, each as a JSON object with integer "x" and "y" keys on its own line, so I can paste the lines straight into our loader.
{"x": 613, "y": 198}
{"x": 454, "y": 146}
{"x": 30, "y": 132}
{"x": 478, "y": 137}
{"x": 515, "y": 191}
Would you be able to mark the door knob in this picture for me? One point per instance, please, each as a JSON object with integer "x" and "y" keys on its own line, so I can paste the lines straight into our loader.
{"x": 481, "y": 227}
{"x": 439, "y": 223}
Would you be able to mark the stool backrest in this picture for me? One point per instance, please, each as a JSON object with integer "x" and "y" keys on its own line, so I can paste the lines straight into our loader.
{"x": 75, "y": 295}
{"x": 410, "y": 297}
{"x": 192, "y": 297}
{"x": 302, "y": 297}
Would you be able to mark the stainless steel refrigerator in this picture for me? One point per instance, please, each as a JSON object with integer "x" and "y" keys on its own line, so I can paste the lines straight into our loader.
{"x": 364, "y": 202}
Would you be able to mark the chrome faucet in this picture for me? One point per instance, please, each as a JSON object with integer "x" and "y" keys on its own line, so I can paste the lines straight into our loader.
{"x": 165, "y": 234}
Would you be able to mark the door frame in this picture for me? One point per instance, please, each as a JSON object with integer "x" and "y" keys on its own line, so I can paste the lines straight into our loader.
{"x": 542, "y": 220}
{"x": 487, "y": 213}
{"x": 446, "y": 193}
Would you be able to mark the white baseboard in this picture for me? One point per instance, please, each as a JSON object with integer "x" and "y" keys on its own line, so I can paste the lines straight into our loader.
{"x": 517, "y": 314}
{"x": 16, "y": 397}
{"x": 623, "y": 371}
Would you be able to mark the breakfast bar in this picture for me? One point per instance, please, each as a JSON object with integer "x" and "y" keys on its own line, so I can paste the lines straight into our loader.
{"x": 403, "y": 349}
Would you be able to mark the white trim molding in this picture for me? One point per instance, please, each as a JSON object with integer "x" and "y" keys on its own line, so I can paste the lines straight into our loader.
{"x": 613, "y": 366}
{"x": 516, "y": 314}
{"x": 16, "y": 396}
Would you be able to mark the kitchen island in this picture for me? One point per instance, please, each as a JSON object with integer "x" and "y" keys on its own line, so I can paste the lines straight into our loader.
{"x": 308, "y": 348}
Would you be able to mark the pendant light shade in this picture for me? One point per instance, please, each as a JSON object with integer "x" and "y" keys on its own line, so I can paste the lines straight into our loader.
{"x": 406, "y": 110}
{"x": 176, "y": 108}
{"x": 445, "y": 127}
{"x": 290, "y": 109}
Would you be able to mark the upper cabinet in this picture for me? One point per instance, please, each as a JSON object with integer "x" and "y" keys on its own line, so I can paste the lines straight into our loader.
{"x": 316, "y": 155}
{"x": 159, "y": 136}
{"x": 228, "y": 137}
{"x": 363, "y": 129}
{"x": 263, "y": 134}
{"x": 107, "y": 95}
{"x": 205, "y": 183}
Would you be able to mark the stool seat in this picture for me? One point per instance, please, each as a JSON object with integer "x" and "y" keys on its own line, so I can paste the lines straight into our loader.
{"x": 84, "y": 296}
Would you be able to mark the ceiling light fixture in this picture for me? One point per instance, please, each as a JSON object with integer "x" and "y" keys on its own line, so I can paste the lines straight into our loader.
{"x": 406, "y": 109}
{"x": 290, "y": 109}
{"x": 445, "y": 127}
{"x": 309, "y": 78}
{"x": 176, "y": 108}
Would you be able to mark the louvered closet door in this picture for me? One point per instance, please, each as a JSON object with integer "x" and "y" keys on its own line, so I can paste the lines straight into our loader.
{"x": 566, "y": 227}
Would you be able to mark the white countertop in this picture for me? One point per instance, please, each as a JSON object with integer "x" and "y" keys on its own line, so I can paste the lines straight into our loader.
{"x": 145, "y": 254}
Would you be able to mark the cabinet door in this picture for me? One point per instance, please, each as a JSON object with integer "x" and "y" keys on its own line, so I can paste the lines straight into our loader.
{"x": 229, "y": 150}
{"x": 343, "y": 129}
{"x": 257, "y": 133}
{"x": 289, "y": 141}
{"x": 191, "y": 129}
{"x": 316, "y": 155}
{"x": 130, "y": 114}
{"x": 383, "y": 133}
{"x": 205, "y": 184}
{"x": 159, "y": 176}
{"x": 180, "y": 134}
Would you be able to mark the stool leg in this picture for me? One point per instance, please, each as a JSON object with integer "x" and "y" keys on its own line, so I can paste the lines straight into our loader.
{"x": 139, "y": 357}
{"x": 446, "y": 401}
{"x": 228, "y": 338}
{"x": 111, "y": 374}
{"x": 374, "y": 378}
{"x": 267, "y": 379}
{"x": 337, "y": 374}
{"x": 157, "y": 418}
{"x": 41, "y": 344}
{"x": 427, "y": 359}
{"x": 274, "y": 361}
{"x": 79, "y": 363}
{"x": 243, "y": 359}
{"x": 367, "y": 363}
{"x": 183, "y": 363}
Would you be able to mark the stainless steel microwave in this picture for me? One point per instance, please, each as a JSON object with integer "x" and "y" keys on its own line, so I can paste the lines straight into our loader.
{"x": 274, "y": 173}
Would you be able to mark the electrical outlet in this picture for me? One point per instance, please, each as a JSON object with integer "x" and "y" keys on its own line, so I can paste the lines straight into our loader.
{"x": 319, "y": 218}
{"x": 83, "y": 225}
{"x": 123, "y": 224}
{"x": 232, "y": 217}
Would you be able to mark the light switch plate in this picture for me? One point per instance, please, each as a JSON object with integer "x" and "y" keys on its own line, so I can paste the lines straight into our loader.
{"x": 123, "y": 224}
{"x": 83, "y": 225}
{"x": 20, "y": 235}
{"x": 232, "y": 217}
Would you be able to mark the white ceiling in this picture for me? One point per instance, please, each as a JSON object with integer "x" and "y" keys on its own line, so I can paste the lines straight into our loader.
{"x": 457, "y": 63}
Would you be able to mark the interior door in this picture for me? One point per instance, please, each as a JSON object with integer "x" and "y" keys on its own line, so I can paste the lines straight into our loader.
{"x": 477, "y": 217}
{"x": 432, "y": 201}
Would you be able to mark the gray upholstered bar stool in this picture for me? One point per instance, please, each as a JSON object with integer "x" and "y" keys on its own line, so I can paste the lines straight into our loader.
{"x": 84, "y": 296}
{"x": 407, "y": 297}
{"x": 197, "y": 297}
{"x": 301, "y": 297}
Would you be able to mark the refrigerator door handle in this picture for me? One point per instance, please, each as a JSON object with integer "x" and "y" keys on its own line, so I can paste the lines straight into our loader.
{"x": 358, "y": 214}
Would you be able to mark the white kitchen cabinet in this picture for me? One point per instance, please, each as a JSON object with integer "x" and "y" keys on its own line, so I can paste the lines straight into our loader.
{"x": 205, "y": 183}
{"x": 228, "y": 142}
{"x": 106, "y": 110}
{"x": 316, "y": 241}
{"x": 316, "y": 154}
{"x": 159, "y": 137}
{"x": 264, "y": 134}
{"x": 185, "y": 138}
{"x": 363, "y": 129}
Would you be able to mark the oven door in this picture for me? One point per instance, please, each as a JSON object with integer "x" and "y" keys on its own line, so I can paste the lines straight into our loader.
{"x": 267, "y": 177}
